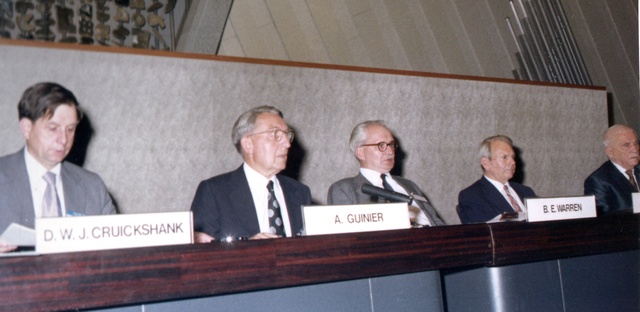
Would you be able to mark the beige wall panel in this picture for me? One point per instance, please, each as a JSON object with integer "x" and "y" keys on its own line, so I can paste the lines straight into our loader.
{"x": 433, "y": 60}
{"x": 328, "y": 24}
{"x": 451, "y": 36}
{"x": 161, "y": 124}
{"x": 358, "y": 6}
{"x": 487, "y": 44}
{"x": 369, "y": 31}
{"x": 256, "y": 31}
{"x": 298, "y": 31}
{"x": 624, "y": 16}
{"x": 405, "y": 27}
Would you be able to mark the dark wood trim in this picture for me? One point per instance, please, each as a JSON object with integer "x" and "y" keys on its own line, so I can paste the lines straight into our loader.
{"x": 131, "y": 276}
{"x": 122, "y": 50}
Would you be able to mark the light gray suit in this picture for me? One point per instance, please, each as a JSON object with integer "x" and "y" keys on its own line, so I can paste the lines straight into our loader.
{"x": 84, "y": 192}
{"x": 348, "y": 191}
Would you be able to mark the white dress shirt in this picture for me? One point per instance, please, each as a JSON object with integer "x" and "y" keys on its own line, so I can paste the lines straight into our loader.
{"x": 36, "y": 171}
{"x": 258, "y": 186}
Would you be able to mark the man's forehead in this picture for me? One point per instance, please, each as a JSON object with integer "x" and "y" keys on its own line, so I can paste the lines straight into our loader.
{"x": 268, "y": 120}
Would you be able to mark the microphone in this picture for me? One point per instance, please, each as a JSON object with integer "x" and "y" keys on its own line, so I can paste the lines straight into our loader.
{"x": 386, "y": 194}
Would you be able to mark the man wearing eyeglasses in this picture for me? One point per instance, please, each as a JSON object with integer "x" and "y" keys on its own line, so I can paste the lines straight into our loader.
{"x": 253, "y": 201}
{"x": 375, "y": 149}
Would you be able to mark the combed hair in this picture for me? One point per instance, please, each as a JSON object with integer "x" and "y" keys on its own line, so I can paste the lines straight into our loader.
{"x": 485, "y": 147}
{"x": 246, "y": 123}
{"x": 42, "y": 100}
{"x": 359, "y": 133}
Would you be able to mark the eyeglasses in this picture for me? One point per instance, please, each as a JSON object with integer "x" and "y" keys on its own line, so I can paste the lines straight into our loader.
{"x": 277, "y": 134}
{"x": 382, "y": 146}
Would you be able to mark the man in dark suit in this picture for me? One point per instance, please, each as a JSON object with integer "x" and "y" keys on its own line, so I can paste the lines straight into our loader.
{"x": 253, "y": 201}
{"x": 617, "y": 178}
{"x": 493, "y": 194}
{"x": 48, "y": 114}
{"x": 374, "y": 147}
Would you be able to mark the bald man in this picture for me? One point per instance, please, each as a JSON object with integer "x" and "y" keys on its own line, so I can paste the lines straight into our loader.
{"x": 617, "y": 178}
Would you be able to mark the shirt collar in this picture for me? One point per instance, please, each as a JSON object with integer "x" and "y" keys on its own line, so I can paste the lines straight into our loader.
{"x": 373, "y": 176}
{"x": 35, "y": 169}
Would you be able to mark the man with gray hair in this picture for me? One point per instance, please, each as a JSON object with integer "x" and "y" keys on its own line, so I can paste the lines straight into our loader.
{"x": 253, "y": 201}
{"x": 617, "y": 178}
{"x": 375, "y": 149}
{"x": 493, "y": 194}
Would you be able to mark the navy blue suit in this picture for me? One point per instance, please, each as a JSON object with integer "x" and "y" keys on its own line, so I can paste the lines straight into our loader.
{"x": 611, "y": 188}
{"x": 482, "y": 202}
{"x": 223, "y": 205}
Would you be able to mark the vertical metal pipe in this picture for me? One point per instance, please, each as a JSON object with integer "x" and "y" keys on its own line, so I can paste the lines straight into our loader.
{"x": 533, "y": 41}
{"x": 576, "y": 58}
{"x": 535, "y": 71}
{"x": 523, "y": 64}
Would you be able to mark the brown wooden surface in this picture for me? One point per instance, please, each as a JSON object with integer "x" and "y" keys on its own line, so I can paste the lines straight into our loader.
{"x": 129, "y": 276}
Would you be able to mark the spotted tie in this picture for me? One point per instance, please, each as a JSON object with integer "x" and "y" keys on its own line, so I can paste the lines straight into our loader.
{"x": 513, "y": 201}
{"x": 50, "y": 201}
{"x": 275, "y": 217}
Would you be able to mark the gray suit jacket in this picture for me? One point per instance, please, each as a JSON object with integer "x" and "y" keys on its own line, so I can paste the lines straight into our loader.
{"x": 84, "y": 192}
{"x": 348, "y": 191}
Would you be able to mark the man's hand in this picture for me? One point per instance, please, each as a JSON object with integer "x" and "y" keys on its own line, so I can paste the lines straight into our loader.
{"x": 264, "y": 236}
{"x": 4, "y": 247}
{"x": 200, "y": 237}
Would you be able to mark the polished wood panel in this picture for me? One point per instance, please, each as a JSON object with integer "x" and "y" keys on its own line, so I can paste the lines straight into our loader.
{"x": 129, "y": 276}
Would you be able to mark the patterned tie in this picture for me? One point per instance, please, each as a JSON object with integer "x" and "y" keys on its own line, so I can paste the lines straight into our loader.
{"x": 513, "y": 201}
{"x": 631, "y": 179}
{"x": 275, "y": 217}
{"x": 385, "y": 184}
{"x": 50, "y": 202}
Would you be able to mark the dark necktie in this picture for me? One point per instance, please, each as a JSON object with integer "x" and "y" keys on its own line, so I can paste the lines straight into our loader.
{"x": 385, "y": 184}
{"x": 513, "y": 201}
{"x": 631, "y": 179}
{"x": 50, "y": 201}
{"x": 275, "y": 217}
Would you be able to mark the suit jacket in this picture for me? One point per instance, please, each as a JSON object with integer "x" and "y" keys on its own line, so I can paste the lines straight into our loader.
{"x": 611, "y": 188}
{"x": 482, "y": 202}
{"x": 223, "y": 205}
{"x": 84, "y": 191}
{"x": 348, "y": 191}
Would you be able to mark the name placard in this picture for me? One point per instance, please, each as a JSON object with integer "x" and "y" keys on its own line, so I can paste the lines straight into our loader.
{"x": 561, "y": 208}
{"x": 334, "y": 219}
{"x": 635, "y": 197}
{"x": 85, "y": 233}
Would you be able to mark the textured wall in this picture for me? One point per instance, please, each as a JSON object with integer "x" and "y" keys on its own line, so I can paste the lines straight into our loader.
{"x": 161, "y": 124}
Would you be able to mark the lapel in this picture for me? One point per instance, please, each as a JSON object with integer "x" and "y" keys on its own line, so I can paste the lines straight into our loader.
{"x": 16, "y": 187}
{"x": 495, "y": 200}
{"x": 620, "y": 180}
{"x": 358, "y": 181}
{"x": 74, "y": 197}
{"x": 407, "y": 186}
{"x": 241, "y": 201}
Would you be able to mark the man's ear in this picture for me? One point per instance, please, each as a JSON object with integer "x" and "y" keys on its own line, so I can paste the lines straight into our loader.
{"x": 247, "y": 145}
{"x": 25, "y": 127}
{"x": 484, "y": 162}
{"x": 607, "y": 151}
{"x": 359, "y": 153}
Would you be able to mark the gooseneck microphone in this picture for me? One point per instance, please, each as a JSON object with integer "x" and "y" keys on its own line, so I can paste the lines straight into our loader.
{"x": 386, "y": 194}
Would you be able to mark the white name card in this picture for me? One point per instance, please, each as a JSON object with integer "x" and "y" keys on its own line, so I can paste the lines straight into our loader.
{"x": 635, "y": 197}
{"x": 85, "y": 233}
{"x": 560, "y": 208}
{"x": 334, "y": 219}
